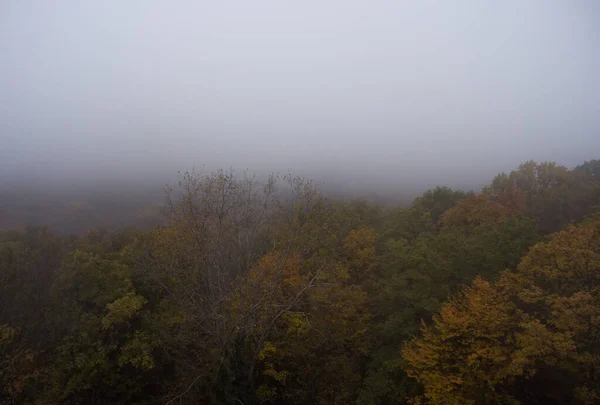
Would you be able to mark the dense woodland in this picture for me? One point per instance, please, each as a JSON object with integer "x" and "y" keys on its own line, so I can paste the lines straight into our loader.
{"x": 266, "y": 292}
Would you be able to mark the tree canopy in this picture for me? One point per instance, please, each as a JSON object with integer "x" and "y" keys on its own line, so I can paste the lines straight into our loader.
{"x": 267, "y": 292}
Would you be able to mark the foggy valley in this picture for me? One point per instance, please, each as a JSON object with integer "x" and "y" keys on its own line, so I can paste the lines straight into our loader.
{"x": 386, "y": 99}
{"x": 270, "y": 202}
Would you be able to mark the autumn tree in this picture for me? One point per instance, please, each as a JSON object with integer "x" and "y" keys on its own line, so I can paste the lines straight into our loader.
{"x": 549, "y": 192}
{"x": 263, "y": 291}
{"x": 477, "y": 237}
{"x": 437, "y": 201}
{"x": 316, "y": 352}
{"x": 236, "y": 258}
{"x": 499, "y": 343}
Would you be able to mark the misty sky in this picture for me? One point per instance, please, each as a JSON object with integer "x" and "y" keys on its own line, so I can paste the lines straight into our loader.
{"x": 382, "y": 92}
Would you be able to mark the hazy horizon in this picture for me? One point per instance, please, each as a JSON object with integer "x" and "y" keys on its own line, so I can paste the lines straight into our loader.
{"x": 370, "y": 94}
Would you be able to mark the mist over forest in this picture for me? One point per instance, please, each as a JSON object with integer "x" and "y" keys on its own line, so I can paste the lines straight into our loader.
{"x": 272, "y": 202}
{"x": 370, "y": 96}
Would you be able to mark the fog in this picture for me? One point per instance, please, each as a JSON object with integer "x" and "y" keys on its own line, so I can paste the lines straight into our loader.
{"x": 375, "y": 94}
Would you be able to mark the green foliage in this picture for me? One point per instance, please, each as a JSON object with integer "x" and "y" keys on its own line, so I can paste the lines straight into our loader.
{"x": 123, "y": 309}
{"x": 266, "y": 292}
{"x": 497, "y": 343}
{"x": 437, "y": 201}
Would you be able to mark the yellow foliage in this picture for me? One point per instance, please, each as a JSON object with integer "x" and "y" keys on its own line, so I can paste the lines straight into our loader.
{"x": 546, "y": 314}
{"x": 359, "y": 246}
{"x": 275, "y": 268}
{"x": 473, "y": 212}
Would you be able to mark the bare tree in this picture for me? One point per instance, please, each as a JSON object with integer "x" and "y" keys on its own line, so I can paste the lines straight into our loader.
{"x": 220, "y": 225}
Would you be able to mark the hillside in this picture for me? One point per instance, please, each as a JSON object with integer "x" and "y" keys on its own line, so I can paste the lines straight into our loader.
{"x": 267, "y": 292}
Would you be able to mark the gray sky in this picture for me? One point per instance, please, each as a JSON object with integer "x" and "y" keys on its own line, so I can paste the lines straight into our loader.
{"x": 380, "y": 92}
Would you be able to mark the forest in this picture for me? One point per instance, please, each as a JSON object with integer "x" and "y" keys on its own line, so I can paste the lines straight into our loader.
{"x": 267, "y": 291}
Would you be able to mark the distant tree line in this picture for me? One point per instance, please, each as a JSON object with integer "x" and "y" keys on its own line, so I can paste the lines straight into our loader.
{"x": 266, "y": 292}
